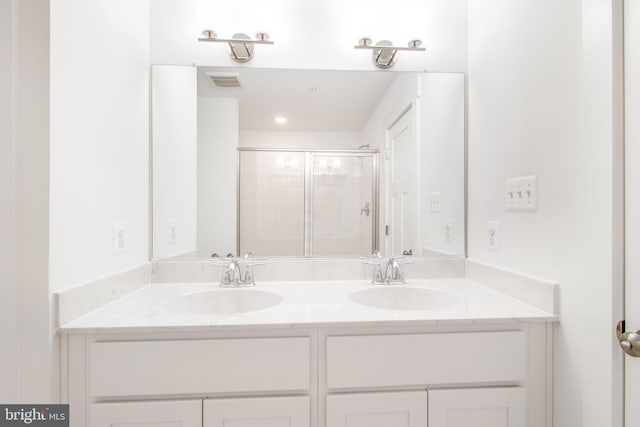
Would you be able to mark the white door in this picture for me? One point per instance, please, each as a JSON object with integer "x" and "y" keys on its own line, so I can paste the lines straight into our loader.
{"x": 489, "y": 407}
{"x": 178, "y": 413}
{"x": 632, "y": 211}
{"x": 395, "y": 409}
{"x": 402, "y": 192}
{"x": 257, "y": 412}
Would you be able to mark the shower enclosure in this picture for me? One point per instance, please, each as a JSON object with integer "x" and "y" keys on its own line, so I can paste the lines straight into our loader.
{"x": 307, "y": 203}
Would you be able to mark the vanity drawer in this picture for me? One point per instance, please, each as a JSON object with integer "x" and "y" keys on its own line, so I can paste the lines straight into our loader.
{"x": 152, "y": 368}
{"x": 425, "y": 359}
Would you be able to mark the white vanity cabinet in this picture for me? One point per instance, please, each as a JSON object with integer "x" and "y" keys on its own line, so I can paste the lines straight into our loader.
{"x": 394, "y": 409}
{"x": 484, "y": 407}
{"x": 257, "y": 412}
{"x": 178, "y": 413}
{"x": 485, "y": 375}
{"x": 433, "y": 361}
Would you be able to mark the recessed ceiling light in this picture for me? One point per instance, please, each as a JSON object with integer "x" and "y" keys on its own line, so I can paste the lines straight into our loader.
{"x": 280, "y": 120}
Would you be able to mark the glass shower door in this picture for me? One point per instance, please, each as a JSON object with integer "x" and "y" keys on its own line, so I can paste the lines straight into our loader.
{"x": 343, "y": 204}
{"x": 272, "y": 203}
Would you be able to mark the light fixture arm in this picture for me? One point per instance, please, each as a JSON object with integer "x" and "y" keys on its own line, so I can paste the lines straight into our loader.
{"x": 384, "y": 53}
{"x": 241, "y": 46}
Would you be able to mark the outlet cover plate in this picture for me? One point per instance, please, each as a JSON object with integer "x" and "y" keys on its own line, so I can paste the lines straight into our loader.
{"x": 447, "y": 229}
{"x": 172, "y": 231}
{"x": 119, "y": 237}
{"x": 492, "y": 235}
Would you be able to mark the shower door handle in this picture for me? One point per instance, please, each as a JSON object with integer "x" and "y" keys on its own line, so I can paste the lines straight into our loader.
{"x": 366, "y": 210}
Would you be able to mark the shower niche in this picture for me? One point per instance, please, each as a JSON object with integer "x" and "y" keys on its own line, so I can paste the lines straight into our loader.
{"x": 307, "y": 203}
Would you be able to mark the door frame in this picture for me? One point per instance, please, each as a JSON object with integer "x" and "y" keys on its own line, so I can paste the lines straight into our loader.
{"x": 618, "y": 211}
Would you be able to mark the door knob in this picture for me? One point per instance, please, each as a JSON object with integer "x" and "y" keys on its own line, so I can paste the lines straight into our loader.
{"x": 629, "y": 341}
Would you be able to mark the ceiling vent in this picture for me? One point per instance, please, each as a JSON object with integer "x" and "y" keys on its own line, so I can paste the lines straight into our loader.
{"x": 224, "y": 79}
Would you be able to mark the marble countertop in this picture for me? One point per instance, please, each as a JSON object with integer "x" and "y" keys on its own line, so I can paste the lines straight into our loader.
{"x": 304, "y": 304}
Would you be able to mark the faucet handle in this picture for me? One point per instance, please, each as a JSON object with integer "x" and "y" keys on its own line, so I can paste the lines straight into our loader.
{"x": 230, "y": 274}
{"x": 248, "y": 279}
{"x": 377, "y": 272}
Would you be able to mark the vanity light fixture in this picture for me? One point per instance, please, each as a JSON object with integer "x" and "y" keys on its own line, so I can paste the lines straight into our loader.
{"x": 241, "y": 46}
{"x": 384, "y": 53}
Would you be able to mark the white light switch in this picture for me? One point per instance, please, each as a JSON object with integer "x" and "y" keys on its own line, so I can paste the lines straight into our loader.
{"x": 521, "y": 194}
{"x": 434, "y": 202}
{"x": 172, "y": 230}
{"x": 492, "y": 235}
{"x": 119, "y": 237}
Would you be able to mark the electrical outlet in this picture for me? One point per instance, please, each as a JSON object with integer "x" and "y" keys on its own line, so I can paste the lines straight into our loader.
{"x": 521, "y": 194}
{"x": 119, "y": 237}
{"x": 172, "y": 231}
{"x": 492, "y": 235}
{"x": 448, "y": 230}
{"x": 434, "y": 202}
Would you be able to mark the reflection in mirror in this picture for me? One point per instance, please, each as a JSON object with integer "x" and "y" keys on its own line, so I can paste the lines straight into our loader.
{"x": 306, "y": 162}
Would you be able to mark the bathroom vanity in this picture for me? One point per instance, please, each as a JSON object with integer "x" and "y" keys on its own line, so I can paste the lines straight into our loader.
{"x": 446, "y": 352}
{"x": 315, "y": 343}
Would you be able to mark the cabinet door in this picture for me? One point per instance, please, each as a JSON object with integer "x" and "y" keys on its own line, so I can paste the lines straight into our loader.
{"x": 180, "y": 413}
{"x": 489, "y": 407}
{"x": 395, "y": 409}
{"x": 257, "y": 412}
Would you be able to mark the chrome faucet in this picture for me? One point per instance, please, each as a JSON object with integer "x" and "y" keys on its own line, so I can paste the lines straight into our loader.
{"x": 392, "y": 275}
{"x": 233, "y": 277}
{"x": 231, "y": 274}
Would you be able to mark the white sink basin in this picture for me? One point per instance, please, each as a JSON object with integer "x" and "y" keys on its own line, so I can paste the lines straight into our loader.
{"x": 223, "y": 301}
{"x": 396, "y": 297}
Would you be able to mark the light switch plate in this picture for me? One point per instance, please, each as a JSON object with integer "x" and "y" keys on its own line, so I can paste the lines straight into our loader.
{"x": 521, "y": 194}
{"x": 119, "y": 237}
{"x": 434, "y": 202}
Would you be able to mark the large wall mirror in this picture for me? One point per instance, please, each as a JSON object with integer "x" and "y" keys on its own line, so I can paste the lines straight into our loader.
{"x": 285, "y": 162}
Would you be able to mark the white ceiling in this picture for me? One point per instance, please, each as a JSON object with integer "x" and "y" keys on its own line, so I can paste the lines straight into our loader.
{"x": 343, "y": 100}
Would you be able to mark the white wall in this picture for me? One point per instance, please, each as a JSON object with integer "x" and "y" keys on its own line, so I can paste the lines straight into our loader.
{"x": 442, "y": 167}
{"x": 218, "y": 121}
{"x": 9, "y": 354}
{"x": 312, "y": 34}
{"x": 329, "y": 140}
{"x": 175, "y": 159}
{"x": 99, "y": 137}
{"x": 540, "y": 102}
